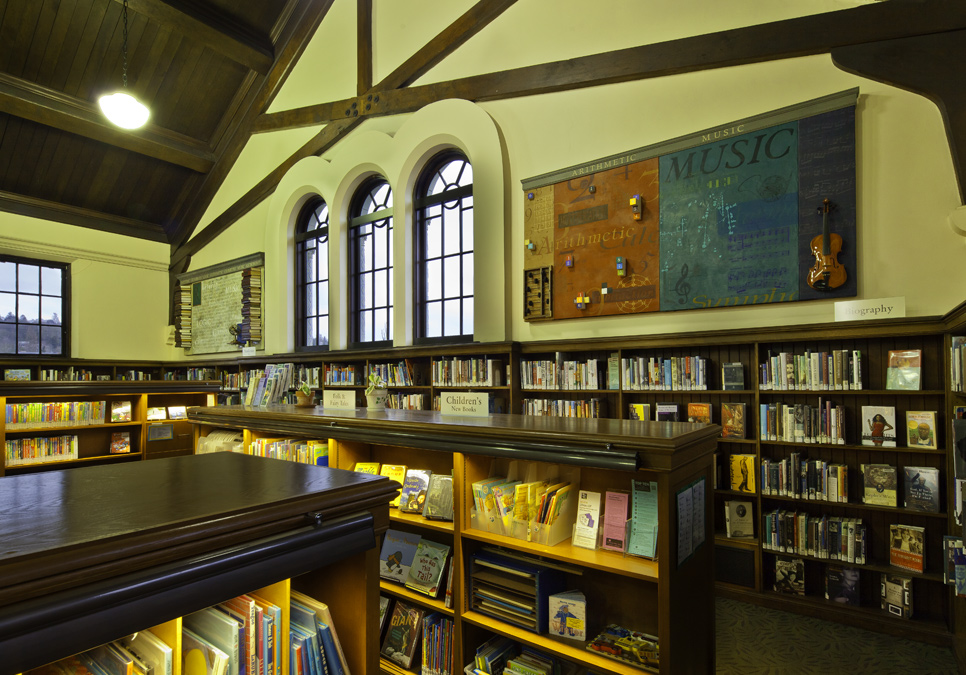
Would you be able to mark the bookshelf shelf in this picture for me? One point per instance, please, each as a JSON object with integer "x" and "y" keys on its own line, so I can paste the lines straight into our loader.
{"x": 417, "y": 519}
{"x": 400, "y": 591}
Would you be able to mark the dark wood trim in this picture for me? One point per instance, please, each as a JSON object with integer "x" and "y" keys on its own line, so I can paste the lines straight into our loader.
{"x": 76, "y": 116}
{"x": 363, "y": 46}
{"x": 73, "y": 215}
{"x": 200, "y": 23}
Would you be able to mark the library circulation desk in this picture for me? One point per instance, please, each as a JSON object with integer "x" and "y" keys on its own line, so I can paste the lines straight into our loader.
{"x": 94, "y": 553}
{"x": 671, "y": 596}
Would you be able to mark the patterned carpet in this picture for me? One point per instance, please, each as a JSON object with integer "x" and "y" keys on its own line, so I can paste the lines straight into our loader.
{"x": 754, "y": 640}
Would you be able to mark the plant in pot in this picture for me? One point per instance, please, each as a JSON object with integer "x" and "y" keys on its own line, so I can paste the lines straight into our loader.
{"x": 376, "y": 393}
{"x": 304, "y": 396}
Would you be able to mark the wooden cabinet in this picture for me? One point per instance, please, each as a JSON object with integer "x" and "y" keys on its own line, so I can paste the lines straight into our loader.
{"x": 90, "y": 556}
{"x": 671, "y": 597}
{"x": 53, "y": 425}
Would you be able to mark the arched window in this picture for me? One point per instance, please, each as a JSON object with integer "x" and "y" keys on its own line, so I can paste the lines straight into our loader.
{"x": 370, "y": 263}
{"x": 443, "y": 240}
{"x": 312, "y": 276}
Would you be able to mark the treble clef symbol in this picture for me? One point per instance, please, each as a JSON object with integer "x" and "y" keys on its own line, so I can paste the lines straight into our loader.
{"x": 682, "y": 287}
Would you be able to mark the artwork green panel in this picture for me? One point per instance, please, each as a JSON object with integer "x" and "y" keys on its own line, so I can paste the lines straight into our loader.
{"x": 729, "y": 221}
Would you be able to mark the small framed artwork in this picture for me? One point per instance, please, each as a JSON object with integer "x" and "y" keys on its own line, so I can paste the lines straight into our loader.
{"x": 160, "y": 432}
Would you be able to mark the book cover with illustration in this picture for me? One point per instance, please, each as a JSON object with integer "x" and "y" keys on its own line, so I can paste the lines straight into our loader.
{"x": 739, "y": 520}
{"x": 921, "y": 428}
{"x": 427, "y": 567}
{"x": 904, "y": 369}
{"x": 920, "y": 488}
{"x": 879, "y": 425}
{"x": 733, "y": 376}
{"x": 733, "y": 419}
{"x": 439, "y": 498}
{"x": 398, "y": 551}
{"x": 120, "y": 442}
{"x": 666, "y": 412}
{"x": 699, "y": 412}
{"x": 413, "y": 496}
{"x": 567, "y": 612}
{"x": 907, "y": 546}
{"x": 396, "y": 472}
{"x": 842, "y": 585}
{"x": 880, "y": 484}
{"x": 639, "y": 411}
{"x": 789, "y": 575}
{"x": 120, "y": 411}
{"x": 403, "y": 635}
{"x": 742, "y": 473}
{"x": 896, "y": 591}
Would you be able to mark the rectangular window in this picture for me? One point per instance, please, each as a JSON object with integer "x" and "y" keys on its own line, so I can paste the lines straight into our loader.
{"x": 34, "y": 306}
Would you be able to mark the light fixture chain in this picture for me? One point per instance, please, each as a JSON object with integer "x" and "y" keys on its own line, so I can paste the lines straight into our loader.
{"x": 124, "y": 47}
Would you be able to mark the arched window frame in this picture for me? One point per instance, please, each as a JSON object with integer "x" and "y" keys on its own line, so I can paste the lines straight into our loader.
{"x": 444, "y": 314}
{"x": 312, "y": 276}
{"x": 370, "y": 272}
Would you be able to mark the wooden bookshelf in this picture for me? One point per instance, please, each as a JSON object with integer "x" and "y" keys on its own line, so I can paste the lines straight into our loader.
{"x": 667, "y": 597}
{"x": 96, "y": 555}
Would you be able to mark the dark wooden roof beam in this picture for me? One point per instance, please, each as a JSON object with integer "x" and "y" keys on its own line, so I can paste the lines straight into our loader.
{"x": 199, "y": 22}
{"x": 45, "y": 106}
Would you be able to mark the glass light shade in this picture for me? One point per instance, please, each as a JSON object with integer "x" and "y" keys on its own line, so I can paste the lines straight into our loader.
{"x": 124, "y": 110}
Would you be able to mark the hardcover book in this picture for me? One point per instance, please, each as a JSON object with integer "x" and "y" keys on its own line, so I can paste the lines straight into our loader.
{"x": 733, "y": 420}
{"x": 413, "y": 496}
{"x": 952, "y": 546}
{"x": 120, "y": 411}
{"x": 699, "y": 412}
{"x": 739, "y": 520}
{"x": 920, "y": 488}
{"x": 904, "y": 368}
{"x": 879, "y": 425}
{"x": 789, "y": 575}
{"x": 568, "y": 614}
{"x": 398, "y": 550}
{"x": 639, "y": 411}
{"x": 439, "y": 498}
{"x": 177, "y": 412}
{"x": 732, "y": 376}
{"x": 120, "y": 442}
{"x": 896, "y": 592}
{"x": 157, "y": 414}
{"x": 743, "y": 473}
{"x": 879, "y": 484}
{"x": 842, "y": 585}
{"x": 396, "y": 472}
{"x": 426, "y": 570}
{"x": 200, "y": 657}
{"x": 907, "y": 546}
{"x": 16, "y": 374}
{"x": 384, "y": 603}
{"x": 921, "y": 428}
{"x": 666, "y": 412}
{"x": 367, "y": 467}
{"x": 404, "y": 634}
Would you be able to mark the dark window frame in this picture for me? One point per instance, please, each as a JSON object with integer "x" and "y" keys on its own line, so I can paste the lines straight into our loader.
{"x": 65, "y": 305}
{"x": 377, "y": 222}
{"x": 421, "y": 204}
{"x": 305, "y": 240}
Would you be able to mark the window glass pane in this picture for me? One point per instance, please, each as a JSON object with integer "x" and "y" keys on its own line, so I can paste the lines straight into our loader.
{"x": 28, "y": 339}
{"x": 451, "y": 231}
{"x": 8, "y": 276}
{"x": 365, "y": 290}
{"x": 51, "y": 340}
{"x": 28, "y": 308}
{"x": 451, "y": 278}
{"x": 8, "y": 338}
{"x": 380, "y": 285}
{"x": 381, "y": 324}
{"x": 451, "y": 173}
{"x": 51, "y": 280}
{"x": 8, "y": 307}
{"x": 381, "y": 248}
{"x": 311, "y": 337}
{"x": 433, "y": 233}
{"x": 451, "y": 317}
{"x": 468, "y": 316}
{"x": 434, "y": 280}
{"x": 50, "y": 310}
{"x": 468, "y": 230}
{"x": 28, "y": 278}
{"x": 323, "y": 330}
{"x": 365, "y": 248}
{"x": 434, "y": 319}
{"x": 322, "y": 258}
{"x": 311, "y": 307}
{"x": 365, "y": 325}
{"x": 324, "y": 297}
{"x": 467, "y": 274}
{"x": 311, "y": 270}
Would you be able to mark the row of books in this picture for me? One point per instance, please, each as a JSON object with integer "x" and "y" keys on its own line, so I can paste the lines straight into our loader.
{"x": 563, "y": 374}
{"x": 801, "y": 478}
{"x": 831, "y": 537}
{"x": 400, "y": 401}
{"x": 468, "y": 372}
{"x": 395, "y": 374}
{"x": 182, "y": 317}
{"x": 500, "y": 500}
{"x": 250, "y": 329}
{"x": 733, "y": 414}
{"x": 839, "y": 369}
{"x": 308, "y": 375}
{"x": 422, "y": 491}
{"x": 25, "y": 451}
{"x": 583, "y": 408}
{"x": 314, "y": 647}
{"x": 655, "y": 373}
{"x": 802, "y": 423}
{"x": 142, "y": 653}
{"x": 503, "y": 655}
{"x": 55, "y": 414}
{"x": 414, "y": 637}
{"x": 268, "y": 387}
{"x": 69, "y": 374}
{"x": 957, "y": 363}
{"x": 340, "y": 374}
{"x": 421, "y": 565}
{"x": 132, "y": 376}
{"x": 191, "y": 374}
{"x": 302, "y": 450}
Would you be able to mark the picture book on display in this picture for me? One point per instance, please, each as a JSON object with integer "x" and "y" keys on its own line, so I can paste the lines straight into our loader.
{"x": 396, "y": 472}
{"x": 177, "y": 412}
{"x": 327, "y": 635}
{"x": 157, "y": 414}
{"x": 904, "y": 369}
{"x": 879, "y": 425}
{"x": 427, "y": 568}
{"x": 920, "y": 488}
{"x": 403, "y": 634}
{"x": 952, "y": 547}
{"x": 413, "y": 496}
{"x": 880, "y": 484}
{"x": 666, "y": 412}
{"x": 733, "y": 420}
{"x": 907, "y": 546}
{"x": 699, "y": 412}
{"x": 367, "y": 467}
{"x": 639, "y": 411}
{"x": 921, "y": 428}
{"x": 742, "y": 473}
{"x": 120, "y": 411}
{"x": 789, "y": 575}
{"x": 439, "y": 498}
{"x": 398, "y": 550}
{"x": 896, "y": 591}
{"x": 732, "y": 376}
{"x": 739, "y": 520}
{"x": 842, "y": 585}
{"x": 568, "y": 612}
{"x": 120, "y": 442}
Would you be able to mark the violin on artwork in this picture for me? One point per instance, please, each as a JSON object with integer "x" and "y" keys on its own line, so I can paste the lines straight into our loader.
{"x": 826, "y": 274}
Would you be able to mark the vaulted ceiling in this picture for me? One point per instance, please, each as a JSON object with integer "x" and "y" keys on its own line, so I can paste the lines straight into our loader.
{"x": 209, "y": 69}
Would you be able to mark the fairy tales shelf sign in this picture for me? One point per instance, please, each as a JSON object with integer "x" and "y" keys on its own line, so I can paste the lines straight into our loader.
{"x": 754, "y": 212}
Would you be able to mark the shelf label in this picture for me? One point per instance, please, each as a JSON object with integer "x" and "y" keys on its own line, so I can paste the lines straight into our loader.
{"x": 464, "y": 403}
{"x": 248, "y": 351}
{"x": 881, "y": 308}
{"x": 335, "y": 399}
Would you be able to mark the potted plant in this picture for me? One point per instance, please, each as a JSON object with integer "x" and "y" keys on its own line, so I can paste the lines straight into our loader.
{"x": 305, "y": 397}
{"x": 376, "y": 393}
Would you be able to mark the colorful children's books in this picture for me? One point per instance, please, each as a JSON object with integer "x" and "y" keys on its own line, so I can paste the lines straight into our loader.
{"x": 398, "y": 550}
{"x": 733, "y": 419}
{"x": 404, "y": 634}
{"x": 921, "y": 428}
{"x": 439, "y": 498}
{"x": 567, "y": 614}
{"x": 427, "y": 568}
{"x": 413, "y": 496}
{"x": 396, "y": 472}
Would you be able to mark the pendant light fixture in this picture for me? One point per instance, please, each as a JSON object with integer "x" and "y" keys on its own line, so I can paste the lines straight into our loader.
{"x": 120, "y": 107}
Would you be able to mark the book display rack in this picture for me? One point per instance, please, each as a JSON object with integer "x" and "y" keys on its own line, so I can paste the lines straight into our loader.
{"x": 670, "y": 596}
